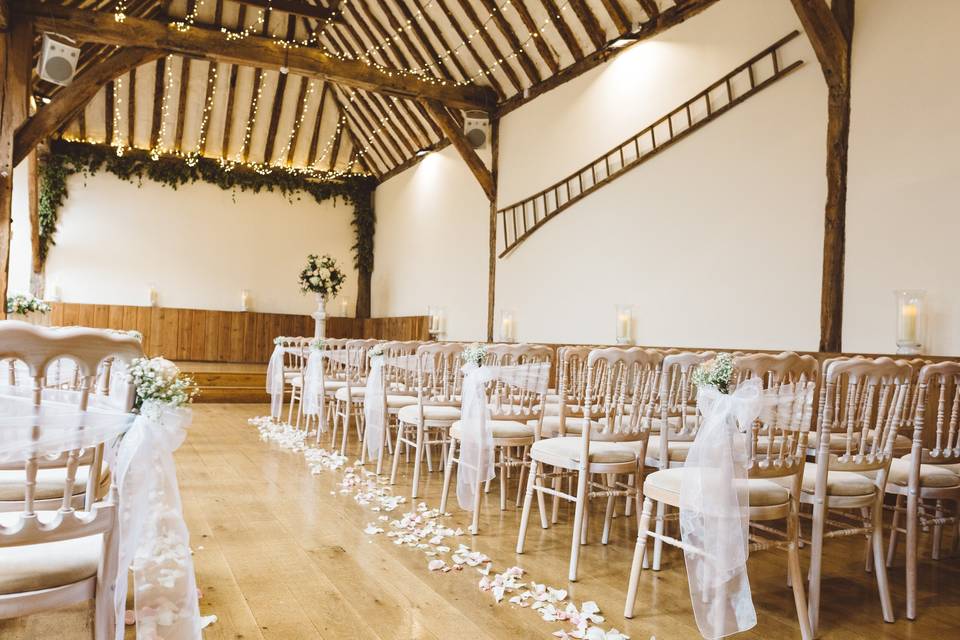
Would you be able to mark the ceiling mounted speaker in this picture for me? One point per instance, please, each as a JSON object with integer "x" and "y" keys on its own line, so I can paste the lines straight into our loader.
{"x": 58, "y": 61}
{"x": 476, "y": 128}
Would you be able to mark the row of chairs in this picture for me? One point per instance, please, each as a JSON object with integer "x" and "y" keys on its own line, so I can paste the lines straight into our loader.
{"x": 621, "y": 422}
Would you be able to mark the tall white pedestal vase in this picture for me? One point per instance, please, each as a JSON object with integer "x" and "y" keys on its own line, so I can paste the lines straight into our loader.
{"x": 323, "y": 278}
{"x": 320, "y": 316}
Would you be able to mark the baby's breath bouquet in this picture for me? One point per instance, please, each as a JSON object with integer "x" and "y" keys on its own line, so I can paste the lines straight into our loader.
{"x": 375, "y": 350}
{"x": 316, "y": 344}
{"x": 717, "y": 373}
{"x": 159, "y": 380}
{"x": 24, "y": 303}
{"x": 475, "y": 354}
{"x": 322, "y": 276}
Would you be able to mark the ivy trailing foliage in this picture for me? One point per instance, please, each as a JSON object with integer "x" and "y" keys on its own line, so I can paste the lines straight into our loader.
{"x": 68, "y": 158}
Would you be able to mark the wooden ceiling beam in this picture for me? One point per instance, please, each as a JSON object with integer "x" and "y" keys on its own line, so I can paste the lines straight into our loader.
{"x": 278, "y": 99}
{"x": 185, "y": 65}
{"x": 68, "y": 103}
{"x": 315, "y": 136}
{"x": 131, "y": 107}
{"x": 650, "y": 8}
{"x": 830, "y": 30}
{"x": 558, "y": 22}
{"x": 504, "y": 26}
{"x": 205, "y": 122}
{"x": 827, "y": 38}
{"x": 298, "y": 117}
{"x": 452, "y": 59}
{"x": 458, "y": 29}
{"x": 491, "y": 45}
{"x": 590, "y": 24}
{"x": 619, "y": 17}
{"x": 548, "y": 55}
{"x": 100, "y": 27}
{"x": 297, "y": 8}
{"x": 158, "y": 91}
{"x": 454, "y": 133}
{"x": 108, "y": 109}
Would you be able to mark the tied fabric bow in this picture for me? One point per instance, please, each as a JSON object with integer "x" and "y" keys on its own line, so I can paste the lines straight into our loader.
{"x": 275, "y": 381}
{"x": 476, "y": 443}
{"x": 715, "y": 510}
{"x": 375, "y": 408}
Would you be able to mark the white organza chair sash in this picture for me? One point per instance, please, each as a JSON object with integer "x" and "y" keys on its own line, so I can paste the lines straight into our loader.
{"x": 476, "y": 445}
{"x": 374, "y": 406}
{"x": 275, "y": 379}
{"x": 715, "y": 509}
{"x": 153, "y": 538}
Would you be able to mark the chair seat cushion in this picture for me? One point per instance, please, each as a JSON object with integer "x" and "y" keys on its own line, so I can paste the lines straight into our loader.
{"x": 954, "y": 466}
{"x": 357, "y": 392}
{"x": 839, "y": 483}
{"x": 295, "y": 380}
{"x": 553, "y": 409}
{"x": 44, "y": 566}
{"x": 763, "y": 493}
{"x": 396, "y": 401}
{"x": 931, "y": 475}
{"x": 574, "y": 426}
{"x": 290, "y": 375}
{"x": 506, "y": 429}
{"x": 571, "y": 448}
{"x": 656, "y": 424}
{"x": 411, "y": 414}
{"x": 50, "y": 483}
{"x": 334, "y": 384}
{"x": 677, "y": 450}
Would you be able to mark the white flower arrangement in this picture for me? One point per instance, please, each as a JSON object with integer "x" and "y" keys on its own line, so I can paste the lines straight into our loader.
{"x": 316, "y": 344}
{"x": 475, "y": 353}
{"x": 23, "y": 303}
{"x": 717, "y": 373}
{"x": 322, "y": 276}
{"x": 375, "y": 351}
{"x": 159, "y": 380}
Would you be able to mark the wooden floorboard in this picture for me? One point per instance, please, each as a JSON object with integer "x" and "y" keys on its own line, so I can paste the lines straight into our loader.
{"x": 279, "y": 557}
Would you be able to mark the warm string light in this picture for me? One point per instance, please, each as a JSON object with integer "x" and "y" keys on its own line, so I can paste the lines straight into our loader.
{"x": 329, "y": 145}
{"x": 159, "y": 148}
{"x": 120, "y": 10}
{"x": 117, "y": 101}
{"x": 297, "y": 124}
{"x": 188, "y": 20}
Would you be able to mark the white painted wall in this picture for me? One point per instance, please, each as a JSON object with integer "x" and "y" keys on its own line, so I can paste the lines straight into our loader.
{"x": 903, "y": 220}
{"x": 199, "y": 245}
{"x": 431, "y": 245}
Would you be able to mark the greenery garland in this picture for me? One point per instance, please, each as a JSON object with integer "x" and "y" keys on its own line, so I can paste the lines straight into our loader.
{"x": 68, "y": 158}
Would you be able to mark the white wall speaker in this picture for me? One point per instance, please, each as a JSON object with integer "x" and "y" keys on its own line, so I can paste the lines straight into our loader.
{"x": 58, "y": 61}
{"x": 476, "y": 128}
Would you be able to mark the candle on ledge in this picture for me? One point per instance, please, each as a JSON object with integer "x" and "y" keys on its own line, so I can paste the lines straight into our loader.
{"x": 911, "y": 318}
{"x": 343, "y": 307}
{"x": 908, "y": 319}
{"x": 624, "y": 324}
{"x": 152, "y": 296}
{"x": 245, "y": 300}
{"x": 507, "y": 327}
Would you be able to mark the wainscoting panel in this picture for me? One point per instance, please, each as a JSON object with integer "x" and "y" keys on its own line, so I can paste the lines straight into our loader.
{"x": 225, "y": 336}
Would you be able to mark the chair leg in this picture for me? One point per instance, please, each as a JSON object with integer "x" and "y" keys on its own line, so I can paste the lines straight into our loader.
{"x": 894, "y": 534}
{"x": 937, "y": 532}
{"x": 477, "y": 498}
{"x": 428, "y": 453}
{"x": 638, "y": 552}
{"x": 417, "y": 457}
{"x": 523, "y": 470}
{"x": 578, "y": 522}
{"x": 796, "y": 577}
{"x": 886, "y": 604}
{"x": 816, "y": 563}
{"x": 503, "y": 477}
{"x": 401, "y": 428}
{"x": 657, "y": 542}
{"x": 527, "y": 504}
{"x": 608, "y": 515}
{"x": 631, "y": 483}
{"x": 555, "y": 509}
{"x": 912, "y": 543}
{"x": 447, "y": 472}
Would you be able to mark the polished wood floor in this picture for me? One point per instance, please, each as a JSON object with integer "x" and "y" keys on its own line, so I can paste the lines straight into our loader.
{"x": 279, "y": 557}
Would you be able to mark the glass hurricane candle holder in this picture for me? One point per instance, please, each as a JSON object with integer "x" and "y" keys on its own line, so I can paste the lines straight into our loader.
{"x": 624, "y": 324}
{"x": 911, "y": 320}
{"x": 437, "y": 321}
{"x": 508, "y": 327}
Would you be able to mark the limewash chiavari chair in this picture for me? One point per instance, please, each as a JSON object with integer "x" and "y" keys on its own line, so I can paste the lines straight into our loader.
{"x": 928, "y": 474}
{"x": 295, "y": 354}
{"x": 516, "y": 413}
{"x": 863, "y": 400}
{"x": 399, "y": 384}
{"x": 777, "y": 449}
{"x": 51, "y": 554}
{"x": 438, "y": 384}
{"x": 624, "y": 384}
{"x": 348, "y": 399}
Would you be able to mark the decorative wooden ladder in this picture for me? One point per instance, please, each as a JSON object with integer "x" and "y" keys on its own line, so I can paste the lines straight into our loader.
{"x": 521, "y": 219}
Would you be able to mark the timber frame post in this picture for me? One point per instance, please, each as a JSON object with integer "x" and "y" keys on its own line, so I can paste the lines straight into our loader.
{"x": 487, "y": 178}
{"x": 830, "y": 30}
{"x": 16, "y": 46}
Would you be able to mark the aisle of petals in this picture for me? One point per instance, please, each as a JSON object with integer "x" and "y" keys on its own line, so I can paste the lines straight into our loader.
{"x": 422, "y": 529}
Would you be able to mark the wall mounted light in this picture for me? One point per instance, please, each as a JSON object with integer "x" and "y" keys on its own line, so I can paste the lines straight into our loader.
{"x": 911, "y": 320}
